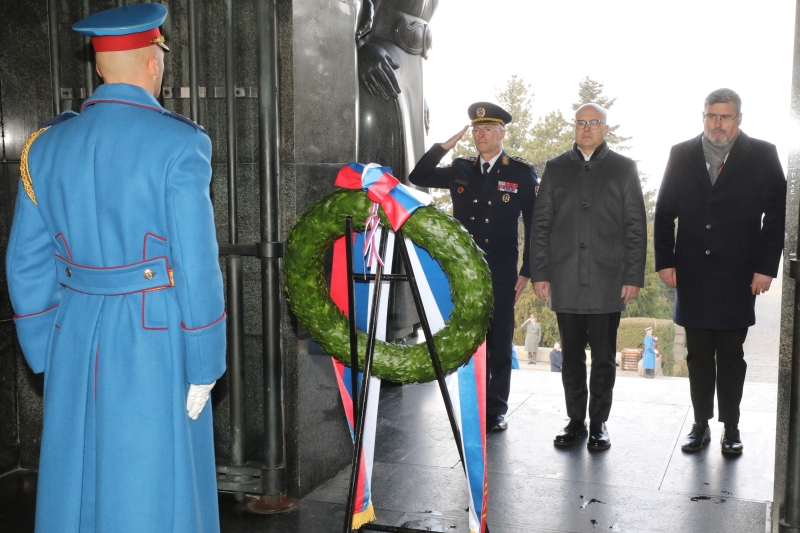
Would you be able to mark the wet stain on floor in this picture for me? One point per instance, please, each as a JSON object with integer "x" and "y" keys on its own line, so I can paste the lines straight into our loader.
{"x": 709, "y": 498}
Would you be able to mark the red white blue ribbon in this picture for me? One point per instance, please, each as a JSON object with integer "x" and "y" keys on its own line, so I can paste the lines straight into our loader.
{"x": 397, "y": 200}
{"x": 363, "y": 510}
{"x": 467, "y": 385}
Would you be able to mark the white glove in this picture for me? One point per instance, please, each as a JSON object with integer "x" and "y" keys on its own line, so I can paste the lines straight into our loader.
{"x": 197, "y": 398}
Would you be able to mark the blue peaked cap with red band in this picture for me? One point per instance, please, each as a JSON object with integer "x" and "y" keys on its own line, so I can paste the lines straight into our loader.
{"x": 122, "y": 20}
{"x": 125, "y": 27}
{"x": 397, "y": 200}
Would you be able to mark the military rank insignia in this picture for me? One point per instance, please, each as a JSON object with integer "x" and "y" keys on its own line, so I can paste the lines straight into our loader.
{"x": 506, "y": 197}
{"x": 505, "y": 160}
{"x": 507, "y": 186}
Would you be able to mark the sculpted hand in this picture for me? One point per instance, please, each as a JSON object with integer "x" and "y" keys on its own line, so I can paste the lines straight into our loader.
{"x": 629, "y": 292}
{"x": 760, "y": 283}
{"x": 522, "y": 282}
{"x": 450, "y": 143}
{"x": 197, "y": 398}
{"x": 365, "y": 18}
{"x": 376, "y": 71}
{"x": 668, "y": 276}
{"x": 542, "y": 289}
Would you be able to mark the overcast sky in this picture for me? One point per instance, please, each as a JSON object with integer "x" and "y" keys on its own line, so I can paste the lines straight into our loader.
{"x": 659, "y": 59}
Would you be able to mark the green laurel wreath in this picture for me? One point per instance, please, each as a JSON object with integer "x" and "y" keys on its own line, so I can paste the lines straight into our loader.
{"x": 440, "y": 235}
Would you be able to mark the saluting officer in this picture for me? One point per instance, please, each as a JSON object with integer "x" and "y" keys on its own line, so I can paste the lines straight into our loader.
{"x": 114, "y": 277}
{"x": 489, "y": 192}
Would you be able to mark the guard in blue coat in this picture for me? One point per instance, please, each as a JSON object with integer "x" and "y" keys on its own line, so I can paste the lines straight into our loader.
{"x": 649, "y": 354}
{"x": 113, "y": 274}
{"x": 489, "y": 193}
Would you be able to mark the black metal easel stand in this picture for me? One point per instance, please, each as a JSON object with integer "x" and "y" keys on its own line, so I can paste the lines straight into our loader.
{"x": 360, "y": 399}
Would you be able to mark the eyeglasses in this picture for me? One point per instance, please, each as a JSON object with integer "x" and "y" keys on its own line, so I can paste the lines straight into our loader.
{"x": 485, "y": 131}
{"x": 593, "y": 124}
{"x": 722, "y": 118}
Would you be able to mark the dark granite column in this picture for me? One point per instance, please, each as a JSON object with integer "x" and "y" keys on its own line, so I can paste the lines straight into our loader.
{"x": 788, "y": 304}
{"x": 25, "y": 103}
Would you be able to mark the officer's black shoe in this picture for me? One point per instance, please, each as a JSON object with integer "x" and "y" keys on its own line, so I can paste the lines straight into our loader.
{"x": 598, "y": 436}
{"x": 496, "y": 423}
{"x": 699, "y": 436}
{"x": 731, "y": 443}
{"x": 568, "y": 436}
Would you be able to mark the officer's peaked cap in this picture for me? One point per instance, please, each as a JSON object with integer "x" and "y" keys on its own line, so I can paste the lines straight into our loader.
{"x": 488, "y": 113}
{"x": 125, "y": 28}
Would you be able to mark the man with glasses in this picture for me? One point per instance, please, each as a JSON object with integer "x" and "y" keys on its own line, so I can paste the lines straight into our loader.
{"x": 588, "y": 250}
{"x": 489, "y": 192}
{"x": 728, "y": 192}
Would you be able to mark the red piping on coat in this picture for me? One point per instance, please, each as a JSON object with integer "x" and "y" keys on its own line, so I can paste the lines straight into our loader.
{"x": 144, "y": 246}
{"x": 164, "y": 257}
{"x": 64, "y": 239}
{"x": 34, "y": 314}
{"x": 120, "y": 102}
{"x": 203, "y": 327}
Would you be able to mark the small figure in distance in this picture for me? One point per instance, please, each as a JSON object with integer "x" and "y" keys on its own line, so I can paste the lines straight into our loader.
{"x": 649, "y": 355}
{"x": 533, "y": 337}
{"x": 556, "y": 358}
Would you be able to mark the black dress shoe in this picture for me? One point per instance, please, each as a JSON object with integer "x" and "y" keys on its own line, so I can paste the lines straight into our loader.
{"x": 731, "y": 443}
{"x": 699, "y": 436}
{"x": 598, "y": 436}
{"x": 575, "y": 430}
{"x": 496, "y": 423}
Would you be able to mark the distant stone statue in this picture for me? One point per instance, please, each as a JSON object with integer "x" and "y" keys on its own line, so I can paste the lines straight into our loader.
{"x": 393, "y": 39}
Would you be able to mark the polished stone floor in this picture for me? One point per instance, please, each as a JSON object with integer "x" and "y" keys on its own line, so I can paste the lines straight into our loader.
{"x": 644, "y": 483}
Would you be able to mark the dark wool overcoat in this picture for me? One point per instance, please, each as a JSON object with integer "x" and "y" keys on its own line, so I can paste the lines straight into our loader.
{"x": 589, "y": 234}
{"x": 726, "y": 232}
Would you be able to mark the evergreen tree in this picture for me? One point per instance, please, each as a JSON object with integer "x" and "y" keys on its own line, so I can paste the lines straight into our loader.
{"x": 551, "y": 136}
{"x": 517, "y": 99}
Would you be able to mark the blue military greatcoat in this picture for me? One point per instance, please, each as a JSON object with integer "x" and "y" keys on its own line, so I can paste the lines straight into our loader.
{"x": 113, "y": 274}
{"x": 649, "y": 355}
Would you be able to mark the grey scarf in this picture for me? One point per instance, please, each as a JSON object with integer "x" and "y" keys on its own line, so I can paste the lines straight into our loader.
{"x": 715, "y": 157}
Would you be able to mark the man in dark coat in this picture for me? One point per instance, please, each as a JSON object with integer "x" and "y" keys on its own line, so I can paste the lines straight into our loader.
{"x": 719, "y": 185}
{"x": 556, "y": 358}
{"x": 489, "y": 192}
{"x": 588, "y": 251}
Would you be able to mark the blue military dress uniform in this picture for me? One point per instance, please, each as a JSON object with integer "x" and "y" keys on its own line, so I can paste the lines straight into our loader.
{"x": 113, "y": 274}
{"x": 649, "y": 354}
{"x": 489, "y": 207}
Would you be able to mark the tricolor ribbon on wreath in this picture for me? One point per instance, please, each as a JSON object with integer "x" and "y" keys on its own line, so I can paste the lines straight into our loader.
{"x": 467, "y": 386}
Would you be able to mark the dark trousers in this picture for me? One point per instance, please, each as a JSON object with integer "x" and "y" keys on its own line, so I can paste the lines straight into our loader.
{"x": 600, "y": 331}
{"x": 726, "y": 370}
{"x": 498, "y": 350}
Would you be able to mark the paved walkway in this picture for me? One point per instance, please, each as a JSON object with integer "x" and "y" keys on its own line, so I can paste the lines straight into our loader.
{"x": 643, "y": 484}
{"x": 763, "y": 340}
